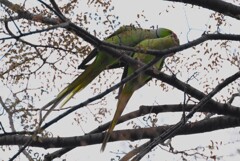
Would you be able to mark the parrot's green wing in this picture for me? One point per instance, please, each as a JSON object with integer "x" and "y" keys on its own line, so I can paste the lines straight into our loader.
{"x": 125, "y": 30}
{"x": 95, "y": 51}
{"x": 141, "y": 79}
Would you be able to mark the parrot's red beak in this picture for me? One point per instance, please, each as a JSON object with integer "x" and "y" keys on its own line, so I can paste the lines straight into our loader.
{"x": 176, "y": 38}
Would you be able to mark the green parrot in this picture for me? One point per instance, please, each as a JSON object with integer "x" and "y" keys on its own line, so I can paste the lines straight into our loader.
{"x": 125, "y": 35}
{"x": 141, "y": 79}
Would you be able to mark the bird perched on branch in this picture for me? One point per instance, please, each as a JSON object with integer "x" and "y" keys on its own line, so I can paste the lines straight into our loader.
{"x": 131, "y": 86}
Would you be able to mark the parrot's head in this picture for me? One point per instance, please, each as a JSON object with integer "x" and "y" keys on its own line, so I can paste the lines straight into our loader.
{"x": 175, "y": 41}
{"x": 163, "y": 32}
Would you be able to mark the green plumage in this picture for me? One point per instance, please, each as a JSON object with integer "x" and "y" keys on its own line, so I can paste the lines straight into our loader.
{"x": 136, "y": 83}
{"x": 126, "y": 35}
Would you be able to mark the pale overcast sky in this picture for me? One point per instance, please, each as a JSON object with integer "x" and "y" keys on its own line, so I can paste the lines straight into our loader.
{"x": 189, "y": 23}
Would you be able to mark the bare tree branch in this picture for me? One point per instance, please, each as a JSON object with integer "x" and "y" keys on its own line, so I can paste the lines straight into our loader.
{"x": 178, "y": 127}
{"x": 215, "y": 5}
{"x": 221, "y": 122}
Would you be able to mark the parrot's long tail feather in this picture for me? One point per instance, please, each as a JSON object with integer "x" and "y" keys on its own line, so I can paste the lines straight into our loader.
{"x": 122, "y": 102}
{"x": 78, "y": 84}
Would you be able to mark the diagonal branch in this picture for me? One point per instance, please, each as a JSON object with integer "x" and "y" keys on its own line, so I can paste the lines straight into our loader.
{"x": 178, "y": 127}
{"x": 216, "y": 5}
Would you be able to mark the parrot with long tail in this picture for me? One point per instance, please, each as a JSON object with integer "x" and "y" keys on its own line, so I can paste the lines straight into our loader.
{"x": 131, "y": 86}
